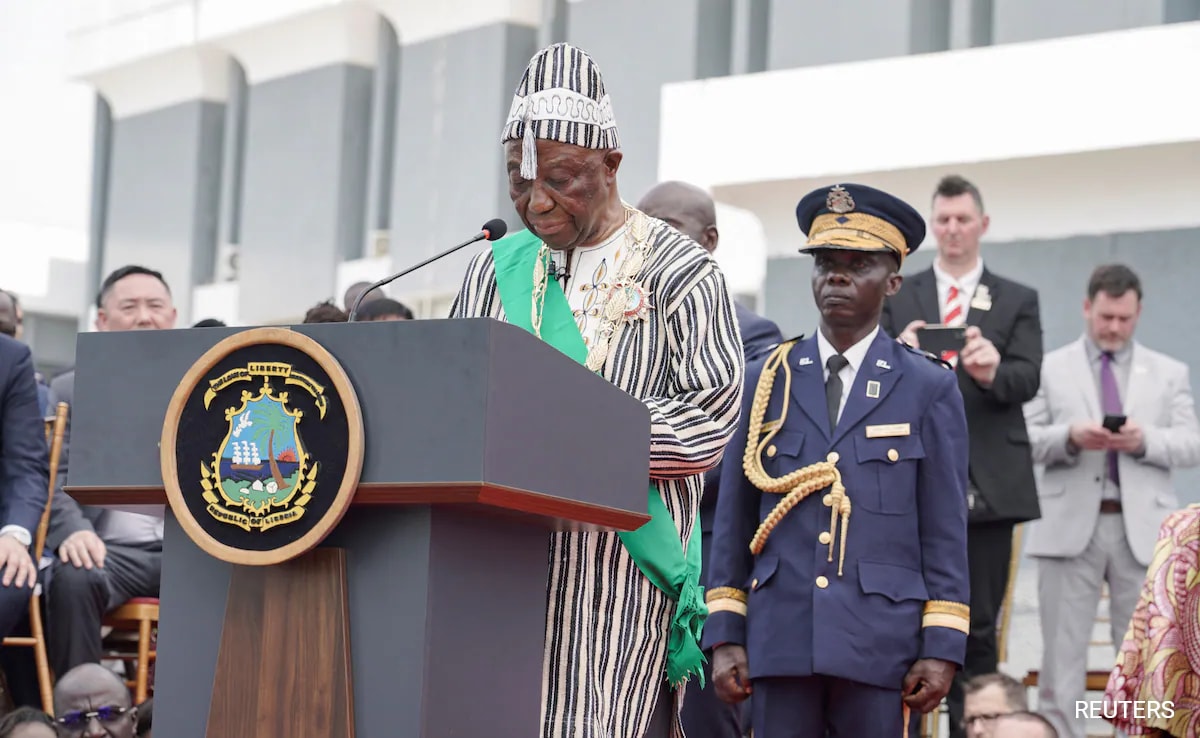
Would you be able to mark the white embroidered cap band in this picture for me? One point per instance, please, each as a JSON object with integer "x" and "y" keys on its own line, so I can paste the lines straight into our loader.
{"x": 560, "y": 97}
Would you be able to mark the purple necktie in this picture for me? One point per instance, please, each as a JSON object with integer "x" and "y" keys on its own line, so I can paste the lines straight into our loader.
{"x": 1110, "y": 397}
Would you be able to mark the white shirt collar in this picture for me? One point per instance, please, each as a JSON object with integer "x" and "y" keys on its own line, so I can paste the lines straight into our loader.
{"x": 856, "y": 354}
{"x": 966, "y": 284}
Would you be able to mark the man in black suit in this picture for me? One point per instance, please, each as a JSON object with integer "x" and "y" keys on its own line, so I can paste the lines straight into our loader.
{"x": 999, "y": 369}
{"x": 689, "y": 210}
{"x": 105, "y": 557}
{"x": 23, "y": 479}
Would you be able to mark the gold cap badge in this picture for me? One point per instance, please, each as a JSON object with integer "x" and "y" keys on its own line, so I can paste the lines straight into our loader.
{"x": 839, "y": 200}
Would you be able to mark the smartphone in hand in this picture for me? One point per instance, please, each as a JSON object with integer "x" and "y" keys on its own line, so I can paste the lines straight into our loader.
{"x": 1113, "y": 422}
{"x": 939, "y": 338}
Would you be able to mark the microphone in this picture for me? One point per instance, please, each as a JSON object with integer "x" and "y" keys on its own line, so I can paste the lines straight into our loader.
{"x": 493, "y": 230}
{"x": 562, "y": 273}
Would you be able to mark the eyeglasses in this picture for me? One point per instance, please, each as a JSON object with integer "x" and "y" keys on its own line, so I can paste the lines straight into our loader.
{"x": 78, "y": 720}
{"x": 968, "y": 722}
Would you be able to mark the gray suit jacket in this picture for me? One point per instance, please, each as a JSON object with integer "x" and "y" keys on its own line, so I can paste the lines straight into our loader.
{"x": 1159, "y": 398}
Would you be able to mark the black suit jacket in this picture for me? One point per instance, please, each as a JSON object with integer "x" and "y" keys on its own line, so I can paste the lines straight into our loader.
{"x": 759, "y": 335}
{"x": 24, "y": 481}
{"x": 1001, "y": 465}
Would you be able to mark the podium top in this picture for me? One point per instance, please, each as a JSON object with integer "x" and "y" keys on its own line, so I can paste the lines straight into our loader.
{"x": 456, "y": 411}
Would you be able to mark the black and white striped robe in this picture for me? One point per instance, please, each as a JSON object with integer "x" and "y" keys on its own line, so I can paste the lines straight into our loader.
{"x": 607, "y": 625}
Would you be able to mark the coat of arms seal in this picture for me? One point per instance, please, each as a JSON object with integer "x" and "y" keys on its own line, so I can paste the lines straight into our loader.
{"x": 262, "y": 446}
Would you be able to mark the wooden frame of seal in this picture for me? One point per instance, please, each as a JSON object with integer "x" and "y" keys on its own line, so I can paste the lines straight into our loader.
{"x": 355, "y": 446}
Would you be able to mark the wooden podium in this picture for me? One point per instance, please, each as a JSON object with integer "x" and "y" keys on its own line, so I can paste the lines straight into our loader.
{"x": 421, "y": 612}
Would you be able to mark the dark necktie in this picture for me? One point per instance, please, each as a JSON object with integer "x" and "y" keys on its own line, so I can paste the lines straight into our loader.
{"x": 833, "y": 387}
{"x": 1110, "y": 399}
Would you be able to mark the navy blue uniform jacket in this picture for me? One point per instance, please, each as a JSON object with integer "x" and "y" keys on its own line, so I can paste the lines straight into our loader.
{"x": 24, "y": 482}
{"x": 902, "y": 453}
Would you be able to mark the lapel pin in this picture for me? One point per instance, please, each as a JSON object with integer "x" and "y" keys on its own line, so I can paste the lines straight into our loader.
{"x": 982, "y": 299}
{"x": 873, "y": 389}
{"x": 805, "y": 361}
{"x": 882, "y": 364}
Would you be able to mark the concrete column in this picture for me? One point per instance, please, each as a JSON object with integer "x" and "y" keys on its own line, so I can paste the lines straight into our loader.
{"x": 164, "y": 171}
{"x": 307, "y": 134}
{"x": 638, "y": 58}
{"x": 456, "y": 80}
{"x": 831, "y": 32}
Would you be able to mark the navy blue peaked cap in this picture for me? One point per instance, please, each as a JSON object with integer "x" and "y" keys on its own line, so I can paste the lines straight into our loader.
{"x": 856, "y": 217}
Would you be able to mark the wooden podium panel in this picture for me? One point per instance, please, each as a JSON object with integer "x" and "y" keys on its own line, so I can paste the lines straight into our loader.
{"x": 285, "y": 652}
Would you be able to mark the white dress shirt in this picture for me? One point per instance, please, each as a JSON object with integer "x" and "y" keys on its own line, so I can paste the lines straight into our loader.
{"x": 967, "y": 284}
{"x": 593, "y": 270}
{"x": 856, "y": 354}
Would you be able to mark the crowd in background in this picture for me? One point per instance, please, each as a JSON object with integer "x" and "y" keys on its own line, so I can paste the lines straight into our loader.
{"x": 1094, "y": 521}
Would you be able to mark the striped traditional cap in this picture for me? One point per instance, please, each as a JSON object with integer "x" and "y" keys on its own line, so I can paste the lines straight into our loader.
{"x": 561, "y": 97}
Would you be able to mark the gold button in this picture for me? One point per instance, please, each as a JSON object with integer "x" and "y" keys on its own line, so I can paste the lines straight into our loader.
{"x": 828, "y": 500}
{"x": 893, "y": 454}
{"x": 824, "y": 537}
{"x": 754, "y": 584}
{"x": 822, "y": 582}
{"x": 833, "y": 457}
{"x": 771, "y": 450}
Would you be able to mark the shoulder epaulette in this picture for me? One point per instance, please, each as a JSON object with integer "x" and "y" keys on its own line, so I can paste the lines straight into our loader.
{"x": 772, "y": 348}
{"x": 925, "y": 354}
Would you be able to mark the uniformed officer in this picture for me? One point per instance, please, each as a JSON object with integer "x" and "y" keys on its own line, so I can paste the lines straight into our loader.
{"x": 839, "y": 570}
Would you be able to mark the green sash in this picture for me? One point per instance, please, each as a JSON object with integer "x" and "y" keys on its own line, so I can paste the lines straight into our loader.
{"x": 655, "y": 547}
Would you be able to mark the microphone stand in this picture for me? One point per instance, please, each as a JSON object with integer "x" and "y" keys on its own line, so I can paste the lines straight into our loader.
{"x": 482, "y": 235}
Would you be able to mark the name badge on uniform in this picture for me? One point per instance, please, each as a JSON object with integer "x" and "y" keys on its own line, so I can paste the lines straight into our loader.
{"x": 888, "y": 431}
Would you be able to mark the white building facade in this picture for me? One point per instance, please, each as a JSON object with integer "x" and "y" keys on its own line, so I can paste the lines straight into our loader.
{"x": 264, "y": 155}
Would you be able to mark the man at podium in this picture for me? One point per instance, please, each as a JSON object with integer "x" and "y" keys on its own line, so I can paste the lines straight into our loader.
{"x": 647, "y": 308}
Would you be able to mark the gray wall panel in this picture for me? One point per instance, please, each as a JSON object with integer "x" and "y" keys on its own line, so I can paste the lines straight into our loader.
{"x": 1181, "y": 11}
{"x": 303, "y": 211}
{"x": 164, "y": 189}
{"x": 1028, "y": 20}
{"x": 455, "y": 93}
{"x": 672, "y": 41}
{"x": 829, "y": 32}
{"x": 1058, "y": 269}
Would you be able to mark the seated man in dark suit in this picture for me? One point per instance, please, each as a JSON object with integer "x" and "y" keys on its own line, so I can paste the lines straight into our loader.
{"x": 105, "y": 557}
{"x": 23, "y": 479}
{"x": 689, "y": 210}
{"x": 11, "y": 322}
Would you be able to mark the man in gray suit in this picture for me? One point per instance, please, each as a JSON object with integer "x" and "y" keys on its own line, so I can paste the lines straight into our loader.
{"x": 1105, "y": 490}
{"x": 105, "y": 557}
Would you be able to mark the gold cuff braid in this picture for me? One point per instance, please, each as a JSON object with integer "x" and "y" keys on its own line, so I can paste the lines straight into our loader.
{"x": 946, "y": 614}
{"x": 730, "y": 593}
{"x": 726, "y": 599}
{"x": 800, "y": 483}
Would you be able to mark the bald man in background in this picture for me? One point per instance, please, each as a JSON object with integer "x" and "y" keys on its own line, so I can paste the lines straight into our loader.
{"x": 690, "y": 210}
{"x": 356, "y": 289}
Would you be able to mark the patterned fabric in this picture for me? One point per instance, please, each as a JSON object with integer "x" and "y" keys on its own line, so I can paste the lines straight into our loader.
{"x": 956, "y": 315}
{"x": 560, "y": 97}
{"x": 607, "y": 624}
{"x": 1159, "y": 660}
{"x": 592, "y": 269}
